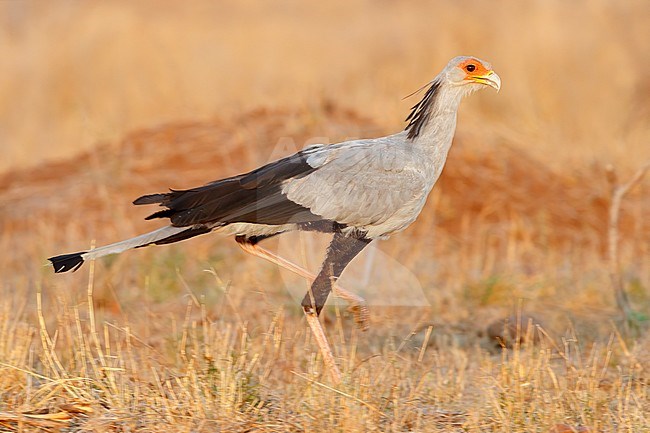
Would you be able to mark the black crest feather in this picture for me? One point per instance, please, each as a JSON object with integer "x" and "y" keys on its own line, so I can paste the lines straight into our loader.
{"x": 421, "y": 111}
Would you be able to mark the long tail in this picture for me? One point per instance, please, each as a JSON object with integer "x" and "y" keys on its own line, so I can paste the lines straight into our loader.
{"x": 164, "y": 235}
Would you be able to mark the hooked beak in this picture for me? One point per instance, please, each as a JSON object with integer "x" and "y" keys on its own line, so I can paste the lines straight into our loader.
{"x": 490, "y": 79}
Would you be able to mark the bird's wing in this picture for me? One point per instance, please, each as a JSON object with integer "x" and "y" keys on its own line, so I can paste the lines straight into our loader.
{"x": 253, "y": 197}
{"x": 362, "y": 184}
{"x": 356, "y": 183}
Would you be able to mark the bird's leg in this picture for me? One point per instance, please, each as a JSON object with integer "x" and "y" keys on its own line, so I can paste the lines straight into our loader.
{"x": 357, "y": 306}
{"x": 341, "y": 251}
{"x": 250, "y": 246}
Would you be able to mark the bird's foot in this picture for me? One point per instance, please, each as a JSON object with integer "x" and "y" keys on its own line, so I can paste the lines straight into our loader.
{"x": 361, "y": 315}
{"x": 357, "y": 307}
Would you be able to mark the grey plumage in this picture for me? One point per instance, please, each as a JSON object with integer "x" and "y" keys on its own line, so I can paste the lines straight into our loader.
{"x": 357, "y": 182}
{"x": 358, "y": 190}
{"x": 361, "y": 189}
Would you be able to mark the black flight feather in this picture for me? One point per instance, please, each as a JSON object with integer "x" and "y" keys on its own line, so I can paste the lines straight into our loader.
{"x": 294, "y": 166}
{"x": 253, "y": 197}
{"x": 149, "y": 199}
{"x": 185, "y": 234}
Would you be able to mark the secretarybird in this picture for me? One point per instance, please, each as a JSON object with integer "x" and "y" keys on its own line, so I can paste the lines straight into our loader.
{"x": 357, "y": 190}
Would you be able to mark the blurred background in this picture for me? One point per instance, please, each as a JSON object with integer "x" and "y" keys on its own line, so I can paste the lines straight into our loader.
{"x": 104, "y": 101}
{"x": 76, "y": 73}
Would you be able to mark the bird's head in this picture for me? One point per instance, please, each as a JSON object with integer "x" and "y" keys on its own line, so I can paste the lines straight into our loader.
{"x": 461, "y": 76}
{"x": 471, "y": 73}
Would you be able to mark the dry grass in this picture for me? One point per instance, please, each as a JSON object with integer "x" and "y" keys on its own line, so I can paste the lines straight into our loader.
{"x": 199, "y": 337}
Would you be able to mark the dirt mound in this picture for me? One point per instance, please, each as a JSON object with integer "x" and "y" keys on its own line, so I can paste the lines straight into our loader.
{"x": 495, "y": 185}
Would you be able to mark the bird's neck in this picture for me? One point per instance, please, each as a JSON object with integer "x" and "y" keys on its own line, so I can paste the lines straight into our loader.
{"x": 433, "y": 119}
{"x": 436, "y": 132}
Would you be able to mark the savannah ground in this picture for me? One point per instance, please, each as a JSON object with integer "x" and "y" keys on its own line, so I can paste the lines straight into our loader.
{"x": 103, "y": 102}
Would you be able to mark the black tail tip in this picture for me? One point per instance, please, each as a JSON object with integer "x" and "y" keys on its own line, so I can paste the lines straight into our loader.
{"x": 67, "y": 262}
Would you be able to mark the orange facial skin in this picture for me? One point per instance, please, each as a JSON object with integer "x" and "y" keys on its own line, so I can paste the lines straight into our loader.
{"x": 479, "y": 72}
{"x": 474, "y": 68}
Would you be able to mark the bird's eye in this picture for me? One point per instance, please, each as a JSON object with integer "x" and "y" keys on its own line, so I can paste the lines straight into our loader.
{"x": 470, "y": 68}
